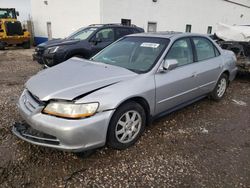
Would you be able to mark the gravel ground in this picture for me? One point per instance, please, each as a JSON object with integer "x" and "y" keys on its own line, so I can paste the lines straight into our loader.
{"x": 204, "y": 145}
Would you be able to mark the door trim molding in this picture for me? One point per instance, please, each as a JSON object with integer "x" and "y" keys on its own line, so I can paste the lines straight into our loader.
{"x": 185, "y": 92}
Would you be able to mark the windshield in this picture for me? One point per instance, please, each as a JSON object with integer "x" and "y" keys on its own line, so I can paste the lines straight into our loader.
{"x": 7, "y": 14}
{"x": 82, "y": 34}
{"x": 138, "y": 54}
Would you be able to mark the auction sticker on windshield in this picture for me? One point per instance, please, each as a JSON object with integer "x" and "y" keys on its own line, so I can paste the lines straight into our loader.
{"x": 150, "y": 45}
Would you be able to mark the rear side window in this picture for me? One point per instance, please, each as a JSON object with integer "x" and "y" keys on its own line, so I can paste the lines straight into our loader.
{"x": 181, "y": 50}
{"x": 204, "y": 48}
{"x": 120, "y": 32}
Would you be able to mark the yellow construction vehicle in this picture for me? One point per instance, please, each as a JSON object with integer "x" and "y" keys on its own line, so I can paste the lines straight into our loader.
{"x": 11, "y": 30}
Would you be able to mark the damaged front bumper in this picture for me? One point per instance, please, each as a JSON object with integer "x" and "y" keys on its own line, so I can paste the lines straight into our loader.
{"x": 54, "y": 132}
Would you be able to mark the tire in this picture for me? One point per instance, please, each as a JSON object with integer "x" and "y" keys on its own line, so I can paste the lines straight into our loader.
{"x": 125, "y": 121}
{"x": 220, "y": 88}
{"x": 2, "y": 46}
{"x": 40, "y": 62}
{"x": 26, "y": 45}
{"x": 85, "y": 154}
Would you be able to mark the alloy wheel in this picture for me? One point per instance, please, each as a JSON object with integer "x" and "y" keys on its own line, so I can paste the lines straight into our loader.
{"x": 128, "y": 126}
{"x": 222, "y": 86}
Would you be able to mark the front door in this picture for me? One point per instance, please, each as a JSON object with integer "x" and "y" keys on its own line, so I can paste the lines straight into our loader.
{"x": 177, "y": 86}
{"x": 102, "y": 39}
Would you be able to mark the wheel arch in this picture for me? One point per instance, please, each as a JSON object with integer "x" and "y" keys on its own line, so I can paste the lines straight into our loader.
{"x": 143, "y": 102}
{"x": 226, "y": 72}
{"x": 74, "y": 53}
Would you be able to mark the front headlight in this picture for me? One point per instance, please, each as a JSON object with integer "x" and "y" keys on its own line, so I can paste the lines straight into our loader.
{"x": 71, "y": 110}
{"x": 53, "y": 49}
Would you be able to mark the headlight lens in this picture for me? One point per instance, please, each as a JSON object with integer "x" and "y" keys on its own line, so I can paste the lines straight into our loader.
{"x": 53, "y": 49}
{"x": 71, "y": 110}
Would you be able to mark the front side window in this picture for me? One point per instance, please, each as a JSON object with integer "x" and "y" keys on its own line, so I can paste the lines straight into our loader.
{"x": 204, "y": 48}
{"x": 82, "y": 34}
{"x": 105, "y": 35}
{"x": 181, "y": 50}
{"x": 138, "y": 54}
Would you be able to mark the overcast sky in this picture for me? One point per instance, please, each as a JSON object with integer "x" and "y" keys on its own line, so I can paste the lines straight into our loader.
{"x": 22, "y": 6}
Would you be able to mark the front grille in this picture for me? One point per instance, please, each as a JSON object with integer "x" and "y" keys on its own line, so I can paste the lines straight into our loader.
{"x": 14, "y": 28}
{"x": 30, "y": 101}
{"x": 34, "y": 135}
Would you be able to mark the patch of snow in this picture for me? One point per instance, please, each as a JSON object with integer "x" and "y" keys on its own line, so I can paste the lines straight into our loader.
{"x": 238, "y": 102}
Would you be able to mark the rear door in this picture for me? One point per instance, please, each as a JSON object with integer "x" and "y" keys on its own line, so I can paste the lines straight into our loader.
{"x": 180, "y": 85}
{"x": 208, "y": 62}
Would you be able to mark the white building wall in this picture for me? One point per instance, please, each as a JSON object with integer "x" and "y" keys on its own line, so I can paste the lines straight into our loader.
{"x": 22, "y": 6}
{"x": 68, "y": 15}
{"x": 65, "y": 16}
{"x": 175, "y": 14}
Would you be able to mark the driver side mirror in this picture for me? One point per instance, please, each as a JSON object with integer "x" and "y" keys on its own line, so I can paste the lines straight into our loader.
{"x": 96, "y": 41}
{"x": 17, "y": 13}
{"x": 169, "y": 64}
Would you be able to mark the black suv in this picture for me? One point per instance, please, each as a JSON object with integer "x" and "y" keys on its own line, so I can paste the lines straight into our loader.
{"x": 84, "y": 43}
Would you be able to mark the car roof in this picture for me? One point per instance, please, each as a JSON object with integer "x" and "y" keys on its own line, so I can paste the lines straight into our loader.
{"x": 113, "y": 25}
{"x": 167, "y": 34}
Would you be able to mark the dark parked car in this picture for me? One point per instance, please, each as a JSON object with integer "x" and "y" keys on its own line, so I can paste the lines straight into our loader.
{"x": 84, "y": 43}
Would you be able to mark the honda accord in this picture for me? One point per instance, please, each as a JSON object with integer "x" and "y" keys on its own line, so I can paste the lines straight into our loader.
{"x": 108, "y": 100}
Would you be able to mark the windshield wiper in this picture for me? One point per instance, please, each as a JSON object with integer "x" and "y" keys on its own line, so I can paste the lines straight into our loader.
{"x": 109, "y": 60}
{"x": 133, "y": 70}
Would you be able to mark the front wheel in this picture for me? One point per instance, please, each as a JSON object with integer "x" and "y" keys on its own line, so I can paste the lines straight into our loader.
{"x": 220, "y": 88}
{"x": 26, "y": 45}
{"x": 126, "y": 126}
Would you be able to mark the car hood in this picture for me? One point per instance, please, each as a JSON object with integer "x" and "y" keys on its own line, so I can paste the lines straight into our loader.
{"x": 75, "y": 78}
{"x": 57, "y": 42}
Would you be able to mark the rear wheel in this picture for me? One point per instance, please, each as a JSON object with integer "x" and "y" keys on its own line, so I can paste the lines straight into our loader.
{"x": 126, "y": 126}
{"x": 26, "y": 45}
{"x": 220, "y": 88}
{"x": 2, "y": 46}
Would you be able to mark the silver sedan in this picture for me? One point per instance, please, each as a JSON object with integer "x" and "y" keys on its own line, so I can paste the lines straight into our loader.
{"x": 84, "y": 104}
